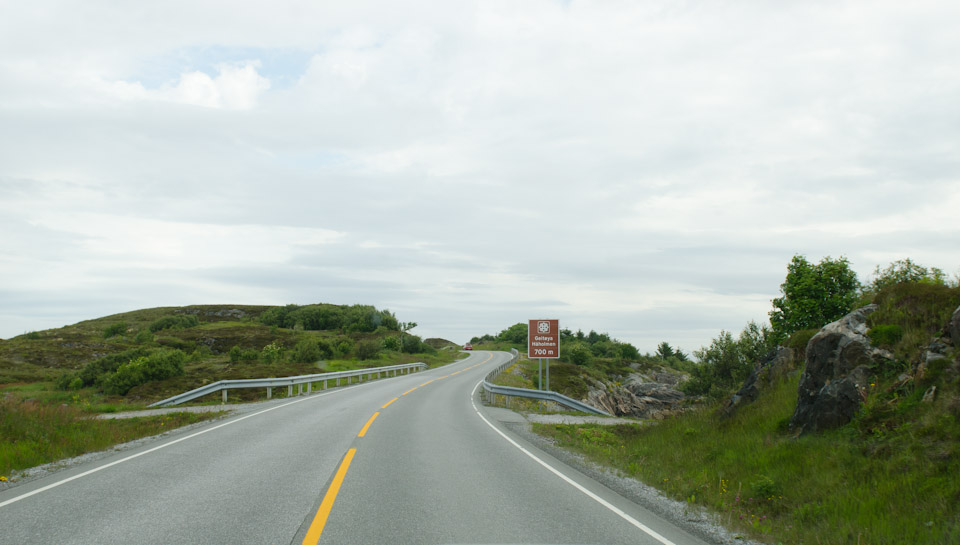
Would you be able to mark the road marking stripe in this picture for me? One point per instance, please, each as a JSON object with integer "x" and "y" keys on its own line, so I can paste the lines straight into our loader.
{"x": 320, "y": 520}
{"x": 570, "y": 481}
{"x": 387, "y": 404}
{"x": 408, "y": 391}
{"x": 443, "y": 377}
{"x": 367, "y": 425}
{"x": 165, "y": 445}
{"x": 427, "y": 382}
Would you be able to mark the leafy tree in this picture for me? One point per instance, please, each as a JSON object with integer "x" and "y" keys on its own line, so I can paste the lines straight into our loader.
{"x": 720, "y": 367}
{"x": 515, "y": 334}
{"x": 813, "y": 295}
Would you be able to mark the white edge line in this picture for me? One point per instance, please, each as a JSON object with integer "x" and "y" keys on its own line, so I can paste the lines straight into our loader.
{"x": 570, "y": 481}
{"x": 165, "y": 445}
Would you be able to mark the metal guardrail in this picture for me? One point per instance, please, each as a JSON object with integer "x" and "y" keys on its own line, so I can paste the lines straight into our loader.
{"x": 289, "y": 382}
{"x": 491, "y": 390}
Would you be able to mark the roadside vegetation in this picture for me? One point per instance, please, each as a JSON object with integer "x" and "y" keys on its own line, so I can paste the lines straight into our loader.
{"x": 59, "y": 377}
{"x": 890, "y": 476}
{"x": 33, "y": 432}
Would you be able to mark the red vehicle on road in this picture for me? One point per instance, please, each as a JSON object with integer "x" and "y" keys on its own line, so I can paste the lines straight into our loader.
{"x": 468, "y": 346}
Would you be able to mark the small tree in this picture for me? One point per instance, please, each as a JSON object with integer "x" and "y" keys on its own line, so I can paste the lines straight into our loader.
{"x": 664, "y": 350}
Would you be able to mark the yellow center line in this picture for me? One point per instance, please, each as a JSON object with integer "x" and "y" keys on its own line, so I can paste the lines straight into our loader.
{"x": 367, "y": 425}
{"x": 457, "y": 373}
{"x": 408, "y": 391}
{"x": 320, "y": 520}
{"x": 389, "y": 402}
{"x": 427, "y": 382}
{"x": 443, "y": 377}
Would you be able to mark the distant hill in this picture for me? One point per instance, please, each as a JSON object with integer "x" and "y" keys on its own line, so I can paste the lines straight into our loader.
{"x": 219, "y": 342}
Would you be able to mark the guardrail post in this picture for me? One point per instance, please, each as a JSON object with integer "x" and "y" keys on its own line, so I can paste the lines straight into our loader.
{"x": 269, "y": 392}
{"x": 224, "y": 395}
{"x": 309, "y": 387}
{"x": 290, "y": 390}
{"x": 300, "y": 389}
{"x": 324, "y": 384}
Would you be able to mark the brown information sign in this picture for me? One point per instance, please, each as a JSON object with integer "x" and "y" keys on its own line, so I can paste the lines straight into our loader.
{"x": 543, "y": 339}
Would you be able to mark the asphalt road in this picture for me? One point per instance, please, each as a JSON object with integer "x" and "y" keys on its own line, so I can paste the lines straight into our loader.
{"x": 432, "y": 467}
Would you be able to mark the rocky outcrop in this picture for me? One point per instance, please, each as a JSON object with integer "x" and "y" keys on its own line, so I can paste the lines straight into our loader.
{"x": 837, "y": 373}
{"x": 775, "y": 366}
{"x": 953, "y": 328}
{"x": 638, "y": 396}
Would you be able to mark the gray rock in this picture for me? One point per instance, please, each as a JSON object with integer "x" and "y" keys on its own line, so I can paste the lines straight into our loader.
{"x": 837, "y": 374}
{"x": 636, "y": 397}
{"x": 953, "y": 328}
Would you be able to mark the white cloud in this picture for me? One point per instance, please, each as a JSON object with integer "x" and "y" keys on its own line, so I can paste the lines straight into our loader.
{"x": 642, "y": 168}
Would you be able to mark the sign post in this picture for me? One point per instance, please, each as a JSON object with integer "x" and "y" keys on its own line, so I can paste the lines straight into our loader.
{"x": 543, "y": 343}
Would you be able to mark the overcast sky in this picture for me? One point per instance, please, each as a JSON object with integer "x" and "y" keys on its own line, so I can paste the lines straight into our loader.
{"x": 646, "y": 169}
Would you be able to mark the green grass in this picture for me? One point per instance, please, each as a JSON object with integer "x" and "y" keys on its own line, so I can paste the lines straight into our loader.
{"x": 34, "y": 433}
{"x": 848, "y": 486}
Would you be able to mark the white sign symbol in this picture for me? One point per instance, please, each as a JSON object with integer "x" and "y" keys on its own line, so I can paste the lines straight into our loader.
{"x": 543, "y": 327}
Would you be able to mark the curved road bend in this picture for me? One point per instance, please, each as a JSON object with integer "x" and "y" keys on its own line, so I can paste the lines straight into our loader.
{"x": 432, "y": 467}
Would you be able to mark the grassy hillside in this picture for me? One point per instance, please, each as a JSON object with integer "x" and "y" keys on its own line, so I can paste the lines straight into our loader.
{"x": 52, "y": 381}
{"x": 217, "y": 341}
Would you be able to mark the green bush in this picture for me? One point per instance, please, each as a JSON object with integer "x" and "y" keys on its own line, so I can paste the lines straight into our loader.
{"x": 367, "y": 350}
{"x": 94, "y": 372}
{"x": 392, "y": 343}
{"x": 114, "y": 329}
{"x": 235, "y": 353}
{"x": 344, "y": 348}
{"x": 174, "y": 322}
{"x": 271, "y": 353}
{"x": 579, "y": 353}
{"x": 310, "y": 350}
{"x": 159, "y": 365}
{"x": 143, "y": 336}
{"x": 885, "y": 335}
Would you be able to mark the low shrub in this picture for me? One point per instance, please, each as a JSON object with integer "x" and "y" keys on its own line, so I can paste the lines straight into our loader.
{"x": 367, "y": 350}
{"x": 114, "y": 329}
{"x": 159, "y": 365}
{"x": 174, "y": 322}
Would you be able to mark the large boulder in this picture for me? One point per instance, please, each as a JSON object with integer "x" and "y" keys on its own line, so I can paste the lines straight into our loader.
{"x": 835, "y": 381}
